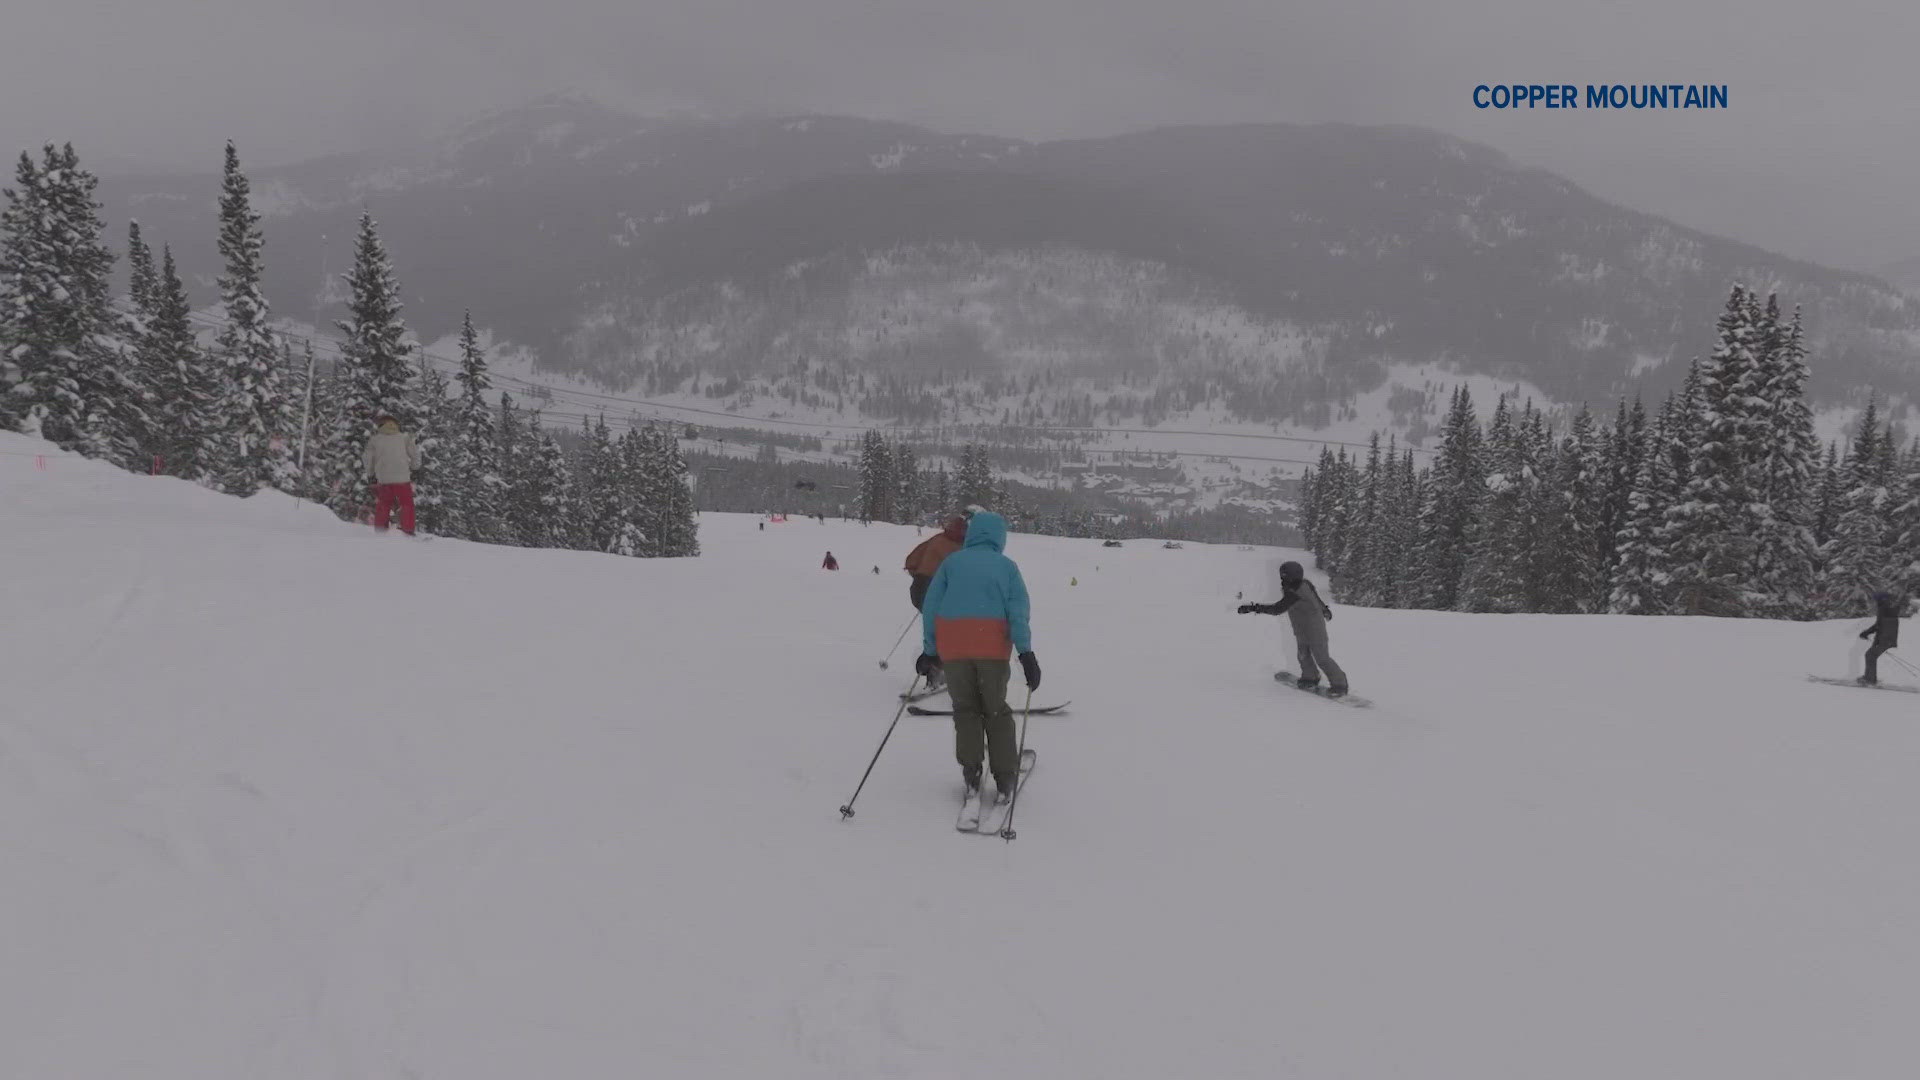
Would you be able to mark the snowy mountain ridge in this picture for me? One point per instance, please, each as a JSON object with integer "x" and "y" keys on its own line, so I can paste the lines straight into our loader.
{"x": 605, "y": 242}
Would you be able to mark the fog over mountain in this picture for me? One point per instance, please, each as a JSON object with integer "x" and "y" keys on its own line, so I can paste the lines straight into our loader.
{"x": 1812, "y": 158}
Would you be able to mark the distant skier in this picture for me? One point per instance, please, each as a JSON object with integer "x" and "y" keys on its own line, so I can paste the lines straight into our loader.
{"x": 1301, "y": 603}
{"x": 390, "y": 458}
{"x": 973, "y": 617}
{"x": 830, "y": 563}
{"x": 1884, "y": 633}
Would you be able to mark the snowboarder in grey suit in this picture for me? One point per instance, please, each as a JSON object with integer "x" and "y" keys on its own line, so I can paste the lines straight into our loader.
{"x": 1301, "y": 603}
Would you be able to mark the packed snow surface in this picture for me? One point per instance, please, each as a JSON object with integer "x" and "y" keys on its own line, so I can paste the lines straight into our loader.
{"x": 283, "y": 799}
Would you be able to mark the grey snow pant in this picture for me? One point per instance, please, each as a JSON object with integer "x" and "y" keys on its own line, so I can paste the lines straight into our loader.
{"x": 1873, "y": 661}
{"x": 1314, "y": 656}
{"x": 978, "y": 689}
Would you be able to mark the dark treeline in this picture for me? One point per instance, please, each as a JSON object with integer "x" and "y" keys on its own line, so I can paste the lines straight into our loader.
{"x": 133, "y": 379}
{"x": 1721, "y": 502}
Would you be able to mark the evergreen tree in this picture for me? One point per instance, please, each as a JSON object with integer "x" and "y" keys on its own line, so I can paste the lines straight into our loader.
{"x": 878, "y": 485}
{"x": 475, "y": 487}
{"x": 179, "y": 375}
{"x": 975, "y": 481}
{"x": 605, "y": 511}
{"x": 516, "y": 447}
{"x": 676, "y": 524}
{"x": 1499, "y": 541}
{"x": 67, "y": 370}
{"x": 549, "y": 501}
{"x": 432, "y": 413}
{"x": 1572, "y": 555}
{"x": 142, "y": 281}
{"x": 1459, "y": 485}
{"x": 909, "y": 501}
{"x": 252, "y": 445}
{"x": 1832, "y": 489}
{"x": 1858, "y": 559}
{"x": 1620, "y": 464}
{"x": 1642, "y": 572}
{"x": 1786, "y": 559}
{"x": 1713, "y": 532}
{"x": 374, "y": 371}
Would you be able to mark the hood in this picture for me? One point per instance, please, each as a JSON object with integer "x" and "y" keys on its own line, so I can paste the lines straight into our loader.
{"x": 1885, "y": 602}
{"x": 390, "y": 426}
{"x": 987, "y": 529}
{"x": 956, "y": 530}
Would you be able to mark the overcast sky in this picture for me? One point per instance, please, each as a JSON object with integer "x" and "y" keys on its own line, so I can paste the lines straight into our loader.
{"x": 1817, "y": 157}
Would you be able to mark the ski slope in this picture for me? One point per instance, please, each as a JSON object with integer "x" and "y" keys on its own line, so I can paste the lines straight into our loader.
{"x": 283, "y": 799}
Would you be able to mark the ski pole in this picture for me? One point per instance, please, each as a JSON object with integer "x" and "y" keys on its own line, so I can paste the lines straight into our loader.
{"x": 1897, "y": 659}
{"x": 847, "y": 810}
{"x": 898, "y": 640}
{"x": 1006, "y": 827}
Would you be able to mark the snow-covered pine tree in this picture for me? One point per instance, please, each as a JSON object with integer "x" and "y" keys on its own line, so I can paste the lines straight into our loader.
{"x": 514, "y": 448}
{"x": 1617, "y": 466}
{"x": 603, "y": 503}
{"x": 1642, "y": 572}
{"x": 975, "y": 481}
{"x": 1499, "y": 539}
{"x": 878, "y": 487}
{"x": 252, "y": 446}
{"x": 1828, "y": 497}
{"x": 66, "y": 366}
{"x": 1787, "y": 555}
{"x": 179, "y": 375}
{"x": 676, "y": 524}
{"x": 474, "y": 485}
{"x": 432, "y": 413}
{"x": 909, "y": 499}
{"x": 1571, "y": 554}
{"x": 141, "y": 279}
{"x": 1713, "y": 532}
{"x": 1359, "y": 580}
{"x": 1309, "y": 515}
{"x": 1858, "y": 559}
{"x": 374, "y": 370}
{"x": 1399, "y": 528}
{"x": 1459, "y": 485}
{"x": 942, "y": 493}
{"x": 551, "y": 505}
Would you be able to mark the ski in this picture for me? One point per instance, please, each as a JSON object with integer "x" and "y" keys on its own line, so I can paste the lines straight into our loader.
{"x": 1290, "y": 678}
{"x": 1858, "y": 685}
{"x": 995, "y": 816}
{"x": 1037, "y": 710}
{"x": 969, "y": 820}
{"x": 922, "y": 695}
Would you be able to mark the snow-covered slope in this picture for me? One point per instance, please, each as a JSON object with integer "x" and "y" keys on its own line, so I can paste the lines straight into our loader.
{"x": 279, "y": 798}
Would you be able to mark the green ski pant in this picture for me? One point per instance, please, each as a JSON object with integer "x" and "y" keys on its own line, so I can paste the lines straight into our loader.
{"x": 978, "y": 689}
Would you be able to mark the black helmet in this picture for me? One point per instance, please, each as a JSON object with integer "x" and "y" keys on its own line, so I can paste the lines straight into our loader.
{"x": 1291, "y": 571}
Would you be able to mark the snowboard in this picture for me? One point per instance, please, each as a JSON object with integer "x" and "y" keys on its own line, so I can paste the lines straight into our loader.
{"x": 1037, "y": 710}
{"x": 1857, "y": 685}
{"x": 986, "y": 819}
{"x": 1289, "y": 678}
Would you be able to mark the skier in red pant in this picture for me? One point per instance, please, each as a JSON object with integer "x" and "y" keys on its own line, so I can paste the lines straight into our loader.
{"x": 390, "y": 458}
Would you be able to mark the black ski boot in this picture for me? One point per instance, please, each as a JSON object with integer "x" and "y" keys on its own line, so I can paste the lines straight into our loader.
{"x": 1336, "y": 691}
{"x": 1305, "y": 684}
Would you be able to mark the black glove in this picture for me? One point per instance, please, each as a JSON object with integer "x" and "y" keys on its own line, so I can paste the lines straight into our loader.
{"x": 927, "y": 665}
{"x": 1326, "y": 613}
{"x": 1245, "y": 609}
{"x": 1030, "y": 664}
{"x": 1868, "y": 632}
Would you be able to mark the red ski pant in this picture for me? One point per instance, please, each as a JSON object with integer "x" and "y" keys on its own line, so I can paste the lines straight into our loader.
{"x": 384, "y": 496}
